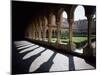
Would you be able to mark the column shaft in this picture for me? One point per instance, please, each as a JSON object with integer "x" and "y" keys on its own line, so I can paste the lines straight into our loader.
{"x": 39, "y": 35}
{"x": 58, "y": 33}
{"x": 49, "y": 34}
{"x": 44, "y": 33}
{"x": 90, "y": 22}
{"x": 71, "y": 46}
{"x": 33, "y": 34}
{"x": 88, "y": 50}
{"x": 70, "y": 31}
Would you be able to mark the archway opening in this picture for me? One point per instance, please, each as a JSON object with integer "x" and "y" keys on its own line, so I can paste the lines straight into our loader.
{"x": 64, "y": 28}
{"x": 80, "y": 28}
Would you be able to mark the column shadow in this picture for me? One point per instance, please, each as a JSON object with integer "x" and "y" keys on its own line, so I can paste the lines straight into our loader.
{"x": 45, "y": 67}
{"x": 71, "y": 63}
{"x": 20, "y": 66}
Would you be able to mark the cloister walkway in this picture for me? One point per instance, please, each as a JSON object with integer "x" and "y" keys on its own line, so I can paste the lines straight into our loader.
{"x": 29, "y": 57}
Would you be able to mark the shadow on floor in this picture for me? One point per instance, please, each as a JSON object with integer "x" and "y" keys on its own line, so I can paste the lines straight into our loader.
{"x": 20, "y": 66}
{"x": 45, "y": 67}
{"x": 24, "y": 53}
{"x": 71, "y": 63}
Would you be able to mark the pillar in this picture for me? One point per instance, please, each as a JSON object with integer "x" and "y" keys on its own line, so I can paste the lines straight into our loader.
{"x": 49, "y": 33}
{"x": 33, "y": 32}
{"x": 44, "y": 33}
{"x": 39, "y": 35}
{"x": 70, "y": 30}
{"x": 35, "y": 35}
{"x": 30, "y": 32}
{"x": 58, "y": 33}
{"x": 43, "y": 30}
{"x": 71, "y": 46}
{"x": 88, "y": 50}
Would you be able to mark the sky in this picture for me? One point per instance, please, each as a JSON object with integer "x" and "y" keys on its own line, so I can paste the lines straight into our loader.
{"x": 78, "y": 14}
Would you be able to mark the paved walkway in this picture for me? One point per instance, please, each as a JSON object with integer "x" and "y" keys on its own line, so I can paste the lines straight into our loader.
{"x": 34, "y": 58}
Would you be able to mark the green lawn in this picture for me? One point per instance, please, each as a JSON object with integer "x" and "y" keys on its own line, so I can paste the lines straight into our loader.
{"x": 79, "y": 39}
{"x": 75, "y": 39}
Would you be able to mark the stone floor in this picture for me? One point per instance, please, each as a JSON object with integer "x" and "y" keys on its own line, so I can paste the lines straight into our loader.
{"x": 29, "y": 57}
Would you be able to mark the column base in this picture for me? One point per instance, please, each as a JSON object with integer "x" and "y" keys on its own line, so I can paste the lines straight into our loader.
{"x": 88, "y": 51}
{"x": 71, "y": 47}
{"x": 58, "y": 42}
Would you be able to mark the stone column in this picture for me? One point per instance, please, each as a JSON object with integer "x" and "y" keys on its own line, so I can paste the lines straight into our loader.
{"x": 33, "y": 34}
{"x": 88, "y": 50}
{"x": 30, "y": 32}
{"x": 58, "y": 33}
{"x": 36, "y": 35}
{"x": 70, "y": 30}
{"x": 71, "y": 46}
{"x": 39, "y": 34}
{"x": 44, "y": 33}
{"x": 49, "y": 33}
